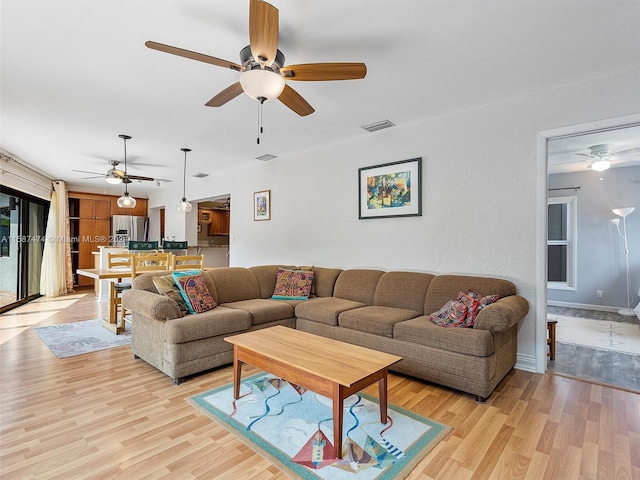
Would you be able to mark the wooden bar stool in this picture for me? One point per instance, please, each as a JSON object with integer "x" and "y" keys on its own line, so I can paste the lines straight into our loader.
{"x": 551, "y": 340}
{"x": 117, "y": 288}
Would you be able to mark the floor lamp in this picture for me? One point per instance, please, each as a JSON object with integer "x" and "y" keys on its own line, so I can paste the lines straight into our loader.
{"x": 623, "y": 212}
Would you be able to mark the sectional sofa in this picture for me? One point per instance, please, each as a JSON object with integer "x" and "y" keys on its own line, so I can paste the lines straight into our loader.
{"x": 386, "y": 311}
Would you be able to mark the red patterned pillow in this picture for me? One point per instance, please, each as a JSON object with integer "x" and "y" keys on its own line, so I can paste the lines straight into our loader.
{"x": 475, "y": 302}
{"x": 452, "y": 314}
{"x": 293, "y": 284}
{"x": 472, "y": 306}
{"x": 194, "y": 291}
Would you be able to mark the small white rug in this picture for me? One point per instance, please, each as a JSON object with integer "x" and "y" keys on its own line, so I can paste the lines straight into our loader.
{"x": 616, "y": 336}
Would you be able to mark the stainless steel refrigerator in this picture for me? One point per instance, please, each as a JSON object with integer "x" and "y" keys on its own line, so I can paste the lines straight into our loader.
{"x": 128, "y": 227}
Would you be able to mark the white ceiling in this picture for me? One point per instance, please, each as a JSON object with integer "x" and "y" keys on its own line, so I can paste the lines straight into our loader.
{"x": 76, "y": 73}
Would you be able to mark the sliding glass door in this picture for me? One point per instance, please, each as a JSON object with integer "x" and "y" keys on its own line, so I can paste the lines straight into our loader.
{"x": 22, "y": 233}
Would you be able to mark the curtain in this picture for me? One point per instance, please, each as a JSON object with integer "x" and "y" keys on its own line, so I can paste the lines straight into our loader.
{"x": 53, "y": 277}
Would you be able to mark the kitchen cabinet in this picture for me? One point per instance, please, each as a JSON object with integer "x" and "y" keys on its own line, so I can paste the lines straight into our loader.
{"x": 219, "y": 223}
{"x": 90, "y": 225}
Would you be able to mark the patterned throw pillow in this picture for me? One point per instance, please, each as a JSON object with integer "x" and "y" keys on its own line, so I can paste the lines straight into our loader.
{"x": 194, "y": 291}
{"x": 293, "y": 284}
{"x": 452, "y": 314}
{"x": 167, "y": 286}
{"x": 475, "y": 302}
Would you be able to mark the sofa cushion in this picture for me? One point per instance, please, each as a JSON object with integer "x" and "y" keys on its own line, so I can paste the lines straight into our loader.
{"x": 325, "y": 309}
{"x": 194, "y": 291}
{"x": 357, "y": 285}
{"x": 219, "y": 321}
{"x": 403, "y": 290}
{"x": 375, "y": 319}
{"x": 166, "y": 285}
{"x": 263, "y": 311}
{"x": 468, "y": 341}
{"x": 445, "y": 287}
{"x": 234, "y": 284}
{"x": 324, "y": 281}
{"x": 293, "y": 284}
{"x": 145, "y": 281}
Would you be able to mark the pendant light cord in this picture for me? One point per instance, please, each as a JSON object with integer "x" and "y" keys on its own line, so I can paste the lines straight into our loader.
{"x": 126, "y": 183}
{"x": 184, "y": 177}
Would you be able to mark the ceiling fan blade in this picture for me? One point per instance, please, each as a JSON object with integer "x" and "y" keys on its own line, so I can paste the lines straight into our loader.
{"x": 325, "y": 71}
{"x": 93, "y": 173}
{"x": 225, "y": 95}
{"x": 89, "y": 178}
{"x": 139, "y": 177}
{"x": 200, "y": 57}
{"x": 627, "y": 151}
{"x": 263, "y": 31}
{"x": 295, "y": 102}
{"x": 584, "y": 154}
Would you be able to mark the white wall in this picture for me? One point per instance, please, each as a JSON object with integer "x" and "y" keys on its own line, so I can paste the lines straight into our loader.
{"x": 482, "y": 179}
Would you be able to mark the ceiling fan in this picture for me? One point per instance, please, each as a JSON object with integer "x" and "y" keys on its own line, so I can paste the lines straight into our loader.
{"x": 601, "y": 156}
{"x": 262, "y": 68}
{"x": 115, "y": 176}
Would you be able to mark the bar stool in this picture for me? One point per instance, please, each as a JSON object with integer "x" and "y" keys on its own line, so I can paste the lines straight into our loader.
{"x": 551, "y": 340}
{"x": 118, "y": 287}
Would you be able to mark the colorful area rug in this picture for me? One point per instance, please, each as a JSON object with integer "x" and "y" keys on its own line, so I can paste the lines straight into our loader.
{"x": 604, "y": 334}
{"x": 70, "y": 339}
{"x": 293, "y": 427}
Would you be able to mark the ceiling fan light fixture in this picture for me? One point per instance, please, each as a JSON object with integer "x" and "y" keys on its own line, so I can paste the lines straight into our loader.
{"x": 601, "y": 165}
{"x": 262, "y": 84}
{"x": 113, "y": 179}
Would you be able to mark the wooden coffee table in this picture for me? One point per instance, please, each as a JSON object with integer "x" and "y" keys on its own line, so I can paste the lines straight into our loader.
{"x": 325, "y": 366}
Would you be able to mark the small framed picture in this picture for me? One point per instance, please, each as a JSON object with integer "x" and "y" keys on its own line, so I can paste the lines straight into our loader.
{"x": 390, "y": 190}
{"x": 262, "y": 205}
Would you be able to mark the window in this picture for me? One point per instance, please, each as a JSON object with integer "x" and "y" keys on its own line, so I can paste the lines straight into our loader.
{"x": 561, "y": 243}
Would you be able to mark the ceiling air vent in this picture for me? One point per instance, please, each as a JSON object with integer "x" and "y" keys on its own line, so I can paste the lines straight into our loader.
{"x": 374, "y": 127}
{"x": 266, "y": 157}
{"x": 201, "y": 175}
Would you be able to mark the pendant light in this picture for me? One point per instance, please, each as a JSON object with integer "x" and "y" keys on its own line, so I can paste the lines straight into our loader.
{"x": 126, "y": 200}
{"x": 184, "y": 205}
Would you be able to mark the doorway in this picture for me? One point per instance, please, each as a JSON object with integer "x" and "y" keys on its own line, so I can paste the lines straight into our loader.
{"x": 22, "y": 235}
{"x": 584, "y": 277}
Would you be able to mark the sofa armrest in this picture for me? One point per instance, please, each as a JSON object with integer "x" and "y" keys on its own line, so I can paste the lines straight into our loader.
{"x": 503, "y": 314}
{"x": 151, "y": 305}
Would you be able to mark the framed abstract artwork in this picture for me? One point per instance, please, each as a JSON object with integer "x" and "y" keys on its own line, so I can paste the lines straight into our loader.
{"x": 262, "y": 205}
{"x": 390, "y": 190}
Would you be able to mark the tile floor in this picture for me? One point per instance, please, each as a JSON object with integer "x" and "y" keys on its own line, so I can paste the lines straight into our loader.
{"x": 613, "y": 368}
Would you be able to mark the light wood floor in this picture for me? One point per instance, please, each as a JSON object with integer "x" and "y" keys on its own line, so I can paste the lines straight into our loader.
{"x": 106, "y": 415}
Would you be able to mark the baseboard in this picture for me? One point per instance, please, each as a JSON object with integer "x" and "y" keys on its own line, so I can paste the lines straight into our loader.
{"x": 526, "y": 363}
{"x": 585, "y": 306}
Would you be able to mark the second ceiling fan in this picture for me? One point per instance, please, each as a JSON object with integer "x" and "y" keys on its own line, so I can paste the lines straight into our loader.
{"x": 262, "y": 68}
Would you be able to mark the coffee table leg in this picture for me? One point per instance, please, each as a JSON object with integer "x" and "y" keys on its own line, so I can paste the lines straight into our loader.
{"x": 237, "y": 373}
{"x": 337, "y": 420}
{"x": 382, "y": 395}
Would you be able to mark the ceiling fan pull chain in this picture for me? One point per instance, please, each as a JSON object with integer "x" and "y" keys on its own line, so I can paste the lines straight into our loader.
{"x": 260, "y": 115}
